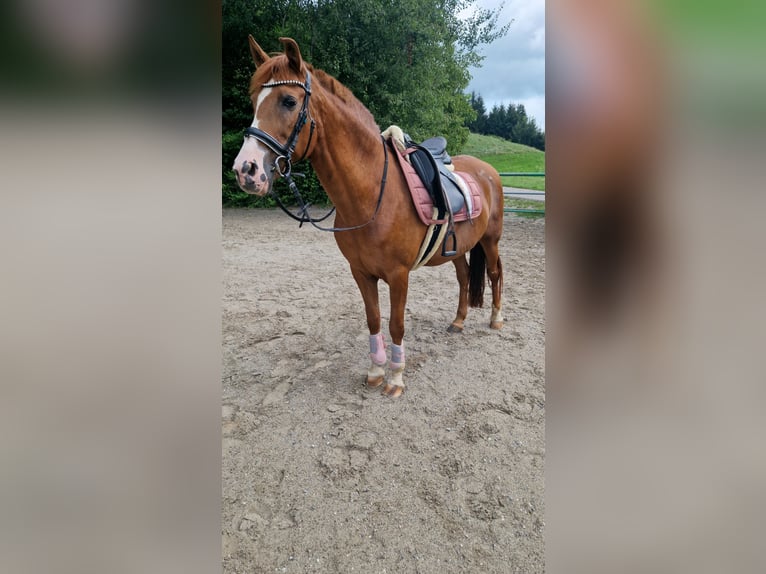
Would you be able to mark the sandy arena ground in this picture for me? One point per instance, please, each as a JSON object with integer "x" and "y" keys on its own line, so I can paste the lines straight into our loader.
{"x": 321, "y": 474}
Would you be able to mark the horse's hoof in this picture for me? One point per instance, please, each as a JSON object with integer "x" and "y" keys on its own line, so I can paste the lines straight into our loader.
{"x": 393, "y": 391}
{"x": 374, "y": 382}
{"x": 454, "y": 328}
{"x": 496, "y": 325}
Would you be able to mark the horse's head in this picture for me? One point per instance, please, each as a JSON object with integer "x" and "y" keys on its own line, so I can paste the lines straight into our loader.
{"x": 280, "y": 90}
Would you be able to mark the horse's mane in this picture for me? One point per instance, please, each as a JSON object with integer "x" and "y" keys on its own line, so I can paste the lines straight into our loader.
{"x": 345, "y": 95}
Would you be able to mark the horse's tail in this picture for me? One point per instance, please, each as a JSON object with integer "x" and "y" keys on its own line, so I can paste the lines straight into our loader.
{"x": 477, "y": 270}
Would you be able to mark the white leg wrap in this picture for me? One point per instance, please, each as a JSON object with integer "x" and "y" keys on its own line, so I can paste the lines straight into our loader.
{"x": 375, "y": 371}
{"x": 397, "y": 364}
{"x": 497, "y": 315}
{"x": 396, "y": 377}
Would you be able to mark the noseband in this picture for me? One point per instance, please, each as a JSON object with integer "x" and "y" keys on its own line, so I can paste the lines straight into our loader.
{"x": 285, "y": 155}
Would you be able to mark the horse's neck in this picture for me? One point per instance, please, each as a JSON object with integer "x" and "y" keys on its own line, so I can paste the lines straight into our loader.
{"x": 348, "y": 160}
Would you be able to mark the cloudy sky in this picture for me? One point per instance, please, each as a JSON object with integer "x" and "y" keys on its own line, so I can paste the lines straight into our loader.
{"x": 513, "y": 70}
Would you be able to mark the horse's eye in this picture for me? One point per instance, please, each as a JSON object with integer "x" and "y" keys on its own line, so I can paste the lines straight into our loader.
{"x": 289, "y": 102}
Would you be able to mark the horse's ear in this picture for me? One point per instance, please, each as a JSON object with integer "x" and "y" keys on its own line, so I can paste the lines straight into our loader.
{"x": 293, "y": 53}
{"x": 259, "y": 56}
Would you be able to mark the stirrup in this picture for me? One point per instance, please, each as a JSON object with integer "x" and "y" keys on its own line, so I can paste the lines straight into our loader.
{"x": 453, "y": 251}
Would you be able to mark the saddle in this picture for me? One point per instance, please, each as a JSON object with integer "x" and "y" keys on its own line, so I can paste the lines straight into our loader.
{"x": 437, "y": 147}
{"x": 434, "y": 166}
{"x": 441, "y": 196}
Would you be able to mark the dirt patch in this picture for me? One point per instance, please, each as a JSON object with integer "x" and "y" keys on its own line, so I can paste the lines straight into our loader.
{"x": 321, "y": 474}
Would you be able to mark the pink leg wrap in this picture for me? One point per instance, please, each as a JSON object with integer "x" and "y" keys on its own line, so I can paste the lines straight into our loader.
{"x": 378, "y": 349}
{"x": 397, "y": 356}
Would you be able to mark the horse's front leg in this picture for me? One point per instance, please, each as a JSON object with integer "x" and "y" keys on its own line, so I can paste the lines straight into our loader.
{"x": 368, "y": 286}
{"x": 398, "y": 287}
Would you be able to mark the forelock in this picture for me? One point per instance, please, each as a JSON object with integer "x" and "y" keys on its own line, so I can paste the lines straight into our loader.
{"x": 275, "y": 69}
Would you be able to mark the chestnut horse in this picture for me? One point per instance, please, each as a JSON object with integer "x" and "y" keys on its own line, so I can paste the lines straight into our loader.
{"x": 377, "y": 228}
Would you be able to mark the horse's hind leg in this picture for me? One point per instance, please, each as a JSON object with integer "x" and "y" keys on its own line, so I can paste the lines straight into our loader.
{"x": 368, "y": 286}
{"x": 461, "y": 270}
{"x": 495, "y": 274}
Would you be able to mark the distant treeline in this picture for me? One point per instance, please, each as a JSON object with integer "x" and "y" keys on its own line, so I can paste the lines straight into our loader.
{"x": 509, "y": 122}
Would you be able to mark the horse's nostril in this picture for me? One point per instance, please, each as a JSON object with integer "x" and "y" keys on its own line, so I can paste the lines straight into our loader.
{"x": 249, "y": 168}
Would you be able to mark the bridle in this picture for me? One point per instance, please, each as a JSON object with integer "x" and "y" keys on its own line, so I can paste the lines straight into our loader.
{"x": 283, "y": 162}
{"x": 285, "y": 152}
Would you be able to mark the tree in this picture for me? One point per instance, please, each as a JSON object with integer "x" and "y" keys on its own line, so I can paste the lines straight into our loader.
{"x": 479, "y": 124}
{"x": 496, "y": 121}
{"x": 511, "y": 123}
{"x": 406, "y": 60}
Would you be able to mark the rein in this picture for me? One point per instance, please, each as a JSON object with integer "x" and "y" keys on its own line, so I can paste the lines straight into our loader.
{"x": 285, "y": 154}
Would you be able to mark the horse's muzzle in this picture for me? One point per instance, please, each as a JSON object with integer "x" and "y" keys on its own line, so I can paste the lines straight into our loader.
{"x": 251, "y": 179}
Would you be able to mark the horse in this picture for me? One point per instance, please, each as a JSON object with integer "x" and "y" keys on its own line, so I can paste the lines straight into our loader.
{"x": 298, "y": 108}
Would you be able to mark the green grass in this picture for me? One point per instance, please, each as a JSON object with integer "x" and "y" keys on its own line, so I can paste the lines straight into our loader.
{"x": 506, "y": 156}
{"x": 526, "y": 204}
{"x": 478, "y": 144}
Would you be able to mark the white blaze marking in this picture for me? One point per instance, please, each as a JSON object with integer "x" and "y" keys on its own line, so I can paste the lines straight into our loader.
{"x": 252, "y": 150}
{"x": 262, "y": 96}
